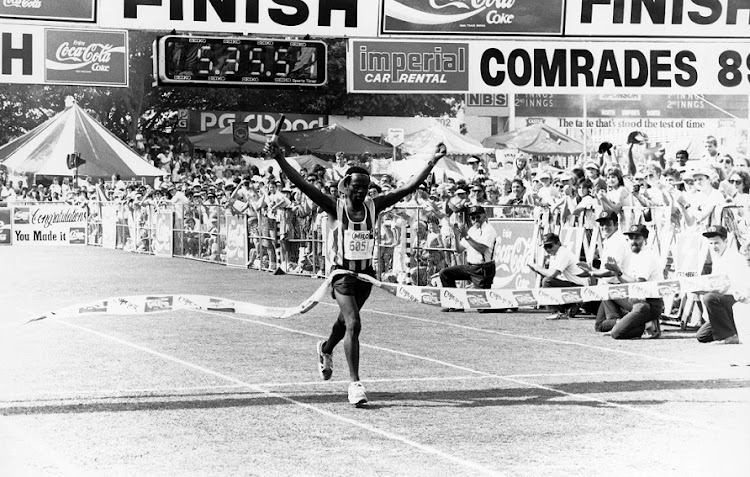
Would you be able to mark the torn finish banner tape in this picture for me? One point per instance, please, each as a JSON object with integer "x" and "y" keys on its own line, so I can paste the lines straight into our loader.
{"x": 466, "y": 298}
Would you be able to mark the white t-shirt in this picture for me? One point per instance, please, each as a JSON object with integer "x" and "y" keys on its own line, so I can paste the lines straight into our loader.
{"x": 643, "y": 265}
{"x": 734, "y": 265}
{"x": 616, "y": 247}
{"x": 567, "y": 264}
{"x": 485, "y": 235}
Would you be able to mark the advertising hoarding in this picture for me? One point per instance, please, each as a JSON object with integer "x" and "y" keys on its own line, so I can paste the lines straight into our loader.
{"x": 86, "y": 57}
{"x": 49, "y": 224}
{"x": 582, "y": 67}
{"x": 514, "y": 250}
{"x": 389, "y": 66}
{"x": 258, "y": 122}
{"x": 340, "y": 19}
{"x": 471, "y": 17}
{"x": 32, "y": 54}
{"x": 67, "y": 10}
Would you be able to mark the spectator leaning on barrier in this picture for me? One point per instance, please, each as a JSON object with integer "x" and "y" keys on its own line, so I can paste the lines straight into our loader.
{"x": 626, "y": 318}
{"x": 479, "y": 242}
{"x": 563, "y": 272}
{"x": 725, "y": 260}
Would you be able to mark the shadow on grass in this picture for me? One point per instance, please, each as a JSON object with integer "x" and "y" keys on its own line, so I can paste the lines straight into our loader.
{"x": 465, "y": 398}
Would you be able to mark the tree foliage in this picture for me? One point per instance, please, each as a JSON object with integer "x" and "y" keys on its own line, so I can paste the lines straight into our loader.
{"x": 143, "y": 107}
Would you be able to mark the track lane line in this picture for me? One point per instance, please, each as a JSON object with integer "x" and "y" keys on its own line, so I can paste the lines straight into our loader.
{"x": 527, "y": 337}
{"x": 661, "y": 416}
{"x": 389, "y": 435}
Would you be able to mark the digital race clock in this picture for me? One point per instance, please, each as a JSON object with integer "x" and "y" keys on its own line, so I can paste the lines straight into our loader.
{"x": 238, "y": 61}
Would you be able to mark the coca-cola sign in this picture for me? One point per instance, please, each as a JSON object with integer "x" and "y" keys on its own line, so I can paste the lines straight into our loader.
{"x": 513, "y": 252}
{"x": 86, "y": 57}
{"x": 69, "y": 10}
{"x": 471, "y": 17}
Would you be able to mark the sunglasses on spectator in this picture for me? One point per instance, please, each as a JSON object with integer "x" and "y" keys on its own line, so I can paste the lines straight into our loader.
{"x": 475, "y": 216}
{"x": 726, "y": 161}
{"x": 547, "y": 246}
{"x": 735, "y": 181}
{"x": 689, "y": 181}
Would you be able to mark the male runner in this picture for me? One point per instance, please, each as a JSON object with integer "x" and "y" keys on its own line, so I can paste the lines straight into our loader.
{"x": 352, "y": 240}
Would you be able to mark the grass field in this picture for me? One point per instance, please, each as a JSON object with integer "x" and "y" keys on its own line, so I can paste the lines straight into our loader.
{"x": 456, "y": 394}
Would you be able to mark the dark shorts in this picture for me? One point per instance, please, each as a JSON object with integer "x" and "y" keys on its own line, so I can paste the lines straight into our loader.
{"x": 352, "y": 286}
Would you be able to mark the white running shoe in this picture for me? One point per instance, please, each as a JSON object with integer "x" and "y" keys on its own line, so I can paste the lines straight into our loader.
{"x": 357, "y": 394}
{"x": 325, "y": 363}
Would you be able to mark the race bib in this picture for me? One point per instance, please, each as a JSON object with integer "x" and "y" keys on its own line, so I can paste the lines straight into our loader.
{"x": 358, "y": 244}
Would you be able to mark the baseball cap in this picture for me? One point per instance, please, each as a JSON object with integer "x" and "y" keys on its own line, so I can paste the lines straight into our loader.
{"x": 460, "y": 190}
{"x": 591, "y": 165}
{"x": 472, "y": 159}
{"x": 476, "y": 209}
{"x": 550, "y": 238}
{"x": 477, "y": 187}
{"x": 637, "y": 229}
{"x": 604, "y": 215}
{"x": 715, "y": 231}
{"x": 544, "y": 175}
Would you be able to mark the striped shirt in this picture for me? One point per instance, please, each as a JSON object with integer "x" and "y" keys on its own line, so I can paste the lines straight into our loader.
{"x": 352, "y": 243}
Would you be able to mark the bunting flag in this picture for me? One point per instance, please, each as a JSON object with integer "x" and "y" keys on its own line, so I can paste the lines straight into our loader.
{"x": 466, "y": 298}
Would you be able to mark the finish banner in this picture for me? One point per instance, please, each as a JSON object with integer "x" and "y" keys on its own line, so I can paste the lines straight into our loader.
{"x": 49, "y": 224}
{"x": 609, "y": 67}
{"x": 332, "y": 18}
{"x": 469, "y": 299}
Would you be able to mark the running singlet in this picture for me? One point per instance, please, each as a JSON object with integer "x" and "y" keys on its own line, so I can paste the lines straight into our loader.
{"x": 353, "y": 243}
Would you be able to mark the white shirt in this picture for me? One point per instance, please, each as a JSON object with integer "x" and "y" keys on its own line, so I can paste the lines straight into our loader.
{"x": 616, "y": 247}
{"x": 734, "y": 265}
{"x": 643, "y": 265}
{"x": 485, "y": 235}
{"x": 567, "y": 264}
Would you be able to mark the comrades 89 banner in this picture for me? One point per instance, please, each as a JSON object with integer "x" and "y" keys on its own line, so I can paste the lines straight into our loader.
{"x": 593, "y": 67}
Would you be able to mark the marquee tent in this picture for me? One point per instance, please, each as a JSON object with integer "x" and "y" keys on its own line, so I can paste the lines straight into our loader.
{"x": 403, "y": 170}
{"x": 424, "y": 141}
{"x": 328, "y": 140}
{"x": 43, "y": 151}
{"x": 537, "y": 139}
{"x": 221, "y": 140}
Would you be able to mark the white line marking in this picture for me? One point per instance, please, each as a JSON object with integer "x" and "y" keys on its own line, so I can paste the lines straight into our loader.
{"x": 658, "y": 415}
{"x": 74, "y": 395}
{"x": 389, "y": 435}
{"x": 527, "y": 337}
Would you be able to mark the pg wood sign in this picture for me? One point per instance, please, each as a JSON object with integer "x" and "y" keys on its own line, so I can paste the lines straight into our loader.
{"x": 334, "y": 18}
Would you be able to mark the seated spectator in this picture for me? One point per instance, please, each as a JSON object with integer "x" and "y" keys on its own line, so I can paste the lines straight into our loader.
{"x": 726, "y": 260}
{"x": 706, "y": 202}
{"x": 563, "y": 272}
{"x": 626, "y": 318}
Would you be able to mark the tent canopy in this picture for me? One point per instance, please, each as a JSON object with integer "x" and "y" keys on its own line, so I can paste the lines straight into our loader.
{"x": 309, "y": 161}
{"x": 424, "y": 141}
{"x": 329, "y": 140}
{"x": 538, "y": 139}
{"x": 44, "y": 150}
{"x": 221, "y": 140}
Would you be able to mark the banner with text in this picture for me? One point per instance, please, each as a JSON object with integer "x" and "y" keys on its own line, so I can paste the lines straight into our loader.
{"x": 36, "y": 55}
{"x": 194, "y": 121}
{"x": 474, "y": 18}
{"x": 514, "y": 250}
{"x": 68, "y": 10}
{"x": 607, "y": 67}
{"x": 383, "y": 66}
{"x": 49, "y": 224}
{"x": 163, "y": 237}
{"x": 266, "y": 17}
{"x": 666, "y": 18}
{"x": 237, "y": 253}
{"x": 6, "y": 232}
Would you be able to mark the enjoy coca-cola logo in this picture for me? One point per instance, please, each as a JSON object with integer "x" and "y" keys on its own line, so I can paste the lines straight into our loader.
{"x": 23, "y": 3}
{"x": 85, "y": 54}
